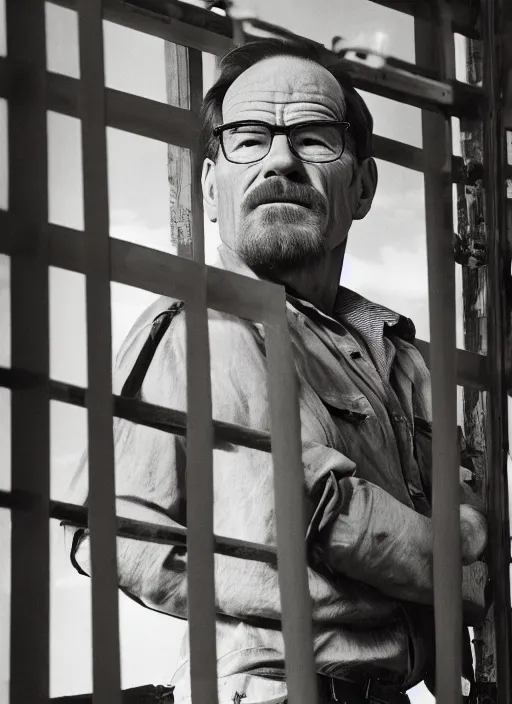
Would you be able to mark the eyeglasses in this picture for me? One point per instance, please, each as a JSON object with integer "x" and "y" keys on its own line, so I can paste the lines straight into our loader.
{"x": 249, "y": 141}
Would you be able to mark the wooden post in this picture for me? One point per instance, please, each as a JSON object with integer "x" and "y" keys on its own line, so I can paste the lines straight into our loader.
{"x": 179, "y": 162}
{"x": 184, "y": 83}
{"x": 472, "y": 232}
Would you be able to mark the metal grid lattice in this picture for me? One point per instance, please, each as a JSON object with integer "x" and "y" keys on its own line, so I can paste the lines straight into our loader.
{"x": 33, "y": 245}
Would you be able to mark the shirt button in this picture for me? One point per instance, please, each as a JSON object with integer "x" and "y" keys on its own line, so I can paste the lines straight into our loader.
{"x": 398, "y": 417}
{"x": 355, "y": 354}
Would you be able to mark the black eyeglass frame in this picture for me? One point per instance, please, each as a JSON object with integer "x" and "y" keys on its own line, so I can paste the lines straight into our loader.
{"x": 287, "y": 130}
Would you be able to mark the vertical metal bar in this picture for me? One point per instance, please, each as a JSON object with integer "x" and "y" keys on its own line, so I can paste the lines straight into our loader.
{"x": 28, "y": 196}
{"x": 498, "y": 265}
{"x": 200, "y": 542}
{"x": 432, "y": 51}
{"x": 102, "y": 519}
{"x": 290, "y": 513}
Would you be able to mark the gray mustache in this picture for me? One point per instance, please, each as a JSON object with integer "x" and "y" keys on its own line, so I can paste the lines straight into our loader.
{"x": 274, "y": 191}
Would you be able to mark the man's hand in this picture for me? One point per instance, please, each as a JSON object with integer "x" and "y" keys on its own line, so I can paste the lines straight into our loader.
{"x": 378, "y": 540}
{"x": 473, "y": 530}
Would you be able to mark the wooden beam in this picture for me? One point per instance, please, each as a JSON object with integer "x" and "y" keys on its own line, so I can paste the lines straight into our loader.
{"x": 472, "y": 231}
{"x": 465, "y": 15}
{"x": 434, "y": 45}
{"x": 179, "y": 162}
{"x": 495, "y": 39}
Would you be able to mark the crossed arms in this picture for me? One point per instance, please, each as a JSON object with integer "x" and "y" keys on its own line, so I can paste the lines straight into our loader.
{"x": 378, "y": 550}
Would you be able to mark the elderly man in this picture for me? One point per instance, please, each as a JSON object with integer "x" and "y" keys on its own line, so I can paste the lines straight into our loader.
{"x": 287, "y": 169}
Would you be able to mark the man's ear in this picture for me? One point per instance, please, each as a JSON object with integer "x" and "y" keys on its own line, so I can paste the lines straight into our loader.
{"x": 209, "y": 186}
{"x": 367, "y": 184}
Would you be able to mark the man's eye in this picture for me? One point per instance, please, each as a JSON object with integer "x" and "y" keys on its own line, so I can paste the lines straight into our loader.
{"x": 249, "y": 142}
{"x": 246, "y": 141}
{"x": 313, "y": 142}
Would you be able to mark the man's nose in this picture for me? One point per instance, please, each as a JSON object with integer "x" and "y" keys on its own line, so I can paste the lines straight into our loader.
{"x": 281, "y": 161}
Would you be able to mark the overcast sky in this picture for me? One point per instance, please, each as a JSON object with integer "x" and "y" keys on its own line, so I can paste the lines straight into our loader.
{"x": 386, "y": 261}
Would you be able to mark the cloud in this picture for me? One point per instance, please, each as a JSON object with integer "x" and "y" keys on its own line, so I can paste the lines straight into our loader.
{"x": 396, "y": 273}
{"x": 127, "y": 225}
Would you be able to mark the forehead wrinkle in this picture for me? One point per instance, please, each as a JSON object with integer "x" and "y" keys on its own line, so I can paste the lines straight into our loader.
{"x": 258, "y": 101}
{"x": 286, "y": 80}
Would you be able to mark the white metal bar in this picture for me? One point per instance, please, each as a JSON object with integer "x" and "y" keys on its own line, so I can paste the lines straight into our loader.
{"x": 290, "y": 511}
{"x": 102, "y": 516}
{"x": 28, "y": 185}
{"x": 434, "y": 45}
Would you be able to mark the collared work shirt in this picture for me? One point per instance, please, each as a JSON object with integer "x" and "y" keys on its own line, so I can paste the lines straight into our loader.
{"x": 364, "y": 394}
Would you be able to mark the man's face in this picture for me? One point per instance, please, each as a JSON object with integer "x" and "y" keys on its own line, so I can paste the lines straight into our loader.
{"x": 312, "y": 204}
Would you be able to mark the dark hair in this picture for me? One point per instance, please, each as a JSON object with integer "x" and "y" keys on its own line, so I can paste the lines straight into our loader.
{"x": 233, "y": 64}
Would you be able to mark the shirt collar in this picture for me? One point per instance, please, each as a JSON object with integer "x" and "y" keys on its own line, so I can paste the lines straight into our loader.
{"x": 370, "y": 318}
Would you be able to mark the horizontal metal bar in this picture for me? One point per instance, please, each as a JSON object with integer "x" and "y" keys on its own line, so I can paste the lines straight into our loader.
{"x": 131, "y": 113}
{"x": 153, "y": 271}
{"x": 210, "y": 27}
{"x": 464, "y": 14}
{"x": 174, "y": 125}
{"x": 150, "y": 415}
{"x": 177, "y": 22}
{"x": 450, "y": 97}
{"x": 409, "y": 157}
{"x": 391, "y": 82}
{"x": 472, "y": 368}
{"x": 74, "y": 515}
{"x": 472, "y": 372}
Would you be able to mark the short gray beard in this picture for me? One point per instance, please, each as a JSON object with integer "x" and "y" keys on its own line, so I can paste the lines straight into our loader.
{"x": 282, "y": 238}
{"x": 273, "y": 243}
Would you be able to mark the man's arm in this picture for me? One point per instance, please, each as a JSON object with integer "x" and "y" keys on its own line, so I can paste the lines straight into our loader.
{"x": 376, "y": 539}
{"x": 367, "y": 544}
{"x": 150, "y": 486}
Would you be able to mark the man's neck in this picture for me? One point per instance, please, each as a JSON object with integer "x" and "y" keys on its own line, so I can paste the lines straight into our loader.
{"x": 316, "y": 284}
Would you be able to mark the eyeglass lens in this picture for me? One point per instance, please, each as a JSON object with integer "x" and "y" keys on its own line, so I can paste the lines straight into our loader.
{"x": 244, "y": 144}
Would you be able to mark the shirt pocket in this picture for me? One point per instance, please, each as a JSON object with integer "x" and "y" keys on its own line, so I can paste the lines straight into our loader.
{"x": 422, "y": 435}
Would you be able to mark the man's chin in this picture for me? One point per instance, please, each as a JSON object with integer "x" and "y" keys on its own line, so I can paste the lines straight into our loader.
{"x": 281, "y": 246}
